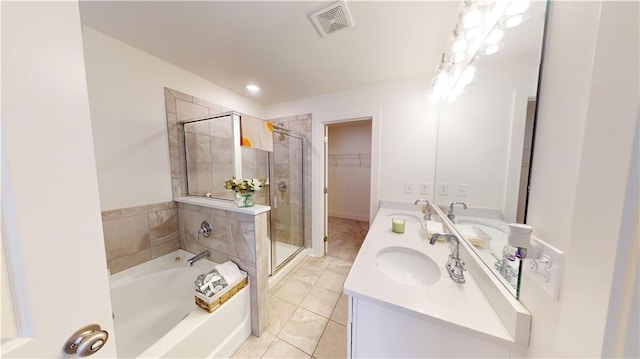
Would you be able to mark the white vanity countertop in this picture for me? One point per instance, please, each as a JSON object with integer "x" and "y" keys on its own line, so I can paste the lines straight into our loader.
{"x": 461, "y": 306}
{"x": 221, "y": 204}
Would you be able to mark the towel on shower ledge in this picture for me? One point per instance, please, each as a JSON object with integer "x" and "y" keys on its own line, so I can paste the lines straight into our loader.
{"x": 230, "y": 272}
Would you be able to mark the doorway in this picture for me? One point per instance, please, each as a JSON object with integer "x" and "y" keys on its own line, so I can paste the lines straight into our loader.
{"x": 347, "y": 186}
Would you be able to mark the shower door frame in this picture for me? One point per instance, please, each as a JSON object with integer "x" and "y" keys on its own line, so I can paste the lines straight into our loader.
{"x": 275, "y": 267}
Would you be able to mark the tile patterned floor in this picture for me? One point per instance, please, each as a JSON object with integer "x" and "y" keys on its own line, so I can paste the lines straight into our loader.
{"x": 345, "y": 237}
{"x": 307, "y": 310}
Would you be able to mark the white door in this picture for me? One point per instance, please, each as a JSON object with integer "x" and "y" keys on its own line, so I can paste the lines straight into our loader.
{"x": 51, "y": 225}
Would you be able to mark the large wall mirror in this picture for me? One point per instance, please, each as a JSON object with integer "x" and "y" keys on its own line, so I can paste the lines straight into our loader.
{"x": 484, "y": 146}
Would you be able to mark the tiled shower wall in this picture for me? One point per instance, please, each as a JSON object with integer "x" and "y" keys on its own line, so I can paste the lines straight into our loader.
{"x": 209, "y": 150}
{"x": 180, "y": 107}
{"x": 138, "y": 234}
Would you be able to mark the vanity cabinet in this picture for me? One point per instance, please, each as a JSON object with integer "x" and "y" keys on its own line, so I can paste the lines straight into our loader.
{"x": 380, "y": 330}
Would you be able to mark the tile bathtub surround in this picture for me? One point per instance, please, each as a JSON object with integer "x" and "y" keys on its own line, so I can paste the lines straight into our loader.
{"x": 237, "y": 237}
{"x": 138, "y": 234}
{"x": 306, "y": 320}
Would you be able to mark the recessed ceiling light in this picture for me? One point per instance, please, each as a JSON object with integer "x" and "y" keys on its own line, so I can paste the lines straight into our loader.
{"x": 253, "y": 88}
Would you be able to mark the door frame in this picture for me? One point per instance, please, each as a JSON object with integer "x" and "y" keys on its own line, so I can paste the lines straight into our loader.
{"x": 373, "y": 176}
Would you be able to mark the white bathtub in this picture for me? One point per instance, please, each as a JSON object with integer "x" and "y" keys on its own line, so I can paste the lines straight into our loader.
{"x": 155, "y": 315}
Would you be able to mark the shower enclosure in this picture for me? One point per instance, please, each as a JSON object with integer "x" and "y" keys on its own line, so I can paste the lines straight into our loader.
{"x": 286, "y": 194}
{"x": 211, "y": 157}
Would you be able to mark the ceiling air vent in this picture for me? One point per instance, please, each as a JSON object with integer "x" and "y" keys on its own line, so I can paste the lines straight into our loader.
{"x": 332, "y": 18}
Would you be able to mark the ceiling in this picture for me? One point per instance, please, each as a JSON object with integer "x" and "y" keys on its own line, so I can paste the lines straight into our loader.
{"x": 276, "y": 46}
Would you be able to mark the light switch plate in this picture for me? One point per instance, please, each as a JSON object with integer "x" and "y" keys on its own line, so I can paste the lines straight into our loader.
{"x": 425, "y": 187}
{"x": 443, "y": 189}
{"x": 546, "y": 269}
{"x": 462, "y": 190}
{"x": 408, "y": 187}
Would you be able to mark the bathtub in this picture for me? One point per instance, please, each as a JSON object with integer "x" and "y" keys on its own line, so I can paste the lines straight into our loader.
{"x": 155, "y": 315}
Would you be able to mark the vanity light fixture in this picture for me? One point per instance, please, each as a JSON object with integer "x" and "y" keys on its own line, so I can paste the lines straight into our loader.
{"x": 479, "y": 30}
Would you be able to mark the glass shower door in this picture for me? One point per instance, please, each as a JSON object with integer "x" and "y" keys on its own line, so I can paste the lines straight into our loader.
{"x": 287, "y": 197}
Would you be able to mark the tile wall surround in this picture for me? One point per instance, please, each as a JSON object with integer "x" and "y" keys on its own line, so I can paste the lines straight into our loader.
{"x": 237, "y": 237}
{"x": 138, "y": 234}
{"x": 209, "y": 156}
{"x": 180, "y": 107}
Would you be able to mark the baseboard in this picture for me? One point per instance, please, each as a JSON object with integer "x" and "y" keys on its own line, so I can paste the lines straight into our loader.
{"x": 356, "y": 217}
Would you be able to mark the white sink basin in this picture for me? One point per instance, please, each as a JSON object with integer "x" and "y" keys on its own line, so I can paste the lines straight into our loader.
{"x": 407, "y": 266}
{"x": 409, "y": 217}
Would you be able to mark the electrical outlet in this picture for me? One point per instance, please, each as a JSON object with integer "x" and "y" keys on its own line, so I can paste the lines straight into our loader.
{"x": 408, "y": 187}
{"x": 425, "y": 187}
{"x": 545, "y": 266}
{"x": 443, "y": 189}
{"x": 462, "y": 190}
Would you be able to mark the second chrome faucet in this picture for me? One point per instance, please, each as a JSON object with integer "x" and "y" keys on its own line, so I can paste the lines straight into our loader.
{"x": 450, "y": 215}
{"x": 455, "y": 266}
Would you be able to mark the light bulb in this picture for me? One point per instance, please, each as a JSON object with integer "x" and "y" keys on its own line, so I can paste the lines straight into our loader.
{"x": 491, "y": 49}
{"x": 494, "y": 36}
{"x": 472, "y": 33}
{"x": 472, "y": 18}
{"x": 459, "y": 57}
{"x": 442, "y": 78}
{"x": 459, "y": 46}
{"x": 253, "y": 88}
{"x": 517, "y": 7}
{"x": 467, "y": 75}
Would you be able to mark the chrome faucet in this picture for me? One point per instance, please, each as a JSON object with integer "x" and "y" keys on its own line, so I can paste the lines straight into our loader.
{"x": 425, "y": 209}
{"x": 198, "y": 257}
{"x": 454, "y": 265}
{"x": 450, "y": 215}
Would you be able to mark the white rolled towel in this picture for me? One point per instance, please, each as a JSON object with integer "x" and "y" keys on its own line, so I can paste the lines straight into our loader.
{"x": 229, "y": 271}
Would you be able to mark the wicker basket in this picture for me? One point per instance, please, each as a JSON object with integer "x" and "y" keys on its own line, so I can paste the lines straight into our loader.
{"x": 211, "y": 304}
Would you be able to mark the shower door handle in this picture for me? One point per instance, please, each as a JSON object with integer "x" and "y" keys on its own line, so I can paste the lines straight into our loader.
{"x": 86, "y": 340}
{"x": 282, "y": 186}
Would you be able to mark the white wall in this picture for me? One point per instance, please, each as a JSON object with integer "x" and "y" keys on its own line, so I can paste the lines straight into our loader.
{"x": 126, "y": 94}
{"x": 475, "y": 133}
{"x": 350, "y": 186}
{"x": 403, "y": 137}
{"x": 588, "y": 110}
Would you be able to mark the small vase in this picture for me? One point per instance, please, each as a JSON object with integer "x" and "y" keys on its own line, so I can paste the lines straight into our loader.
{"x": 244, "y": 200}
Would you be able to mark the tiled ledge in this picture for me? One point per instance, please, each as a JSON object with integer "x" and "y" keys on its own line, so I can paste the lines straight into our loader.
{"x": 224, "y": 205}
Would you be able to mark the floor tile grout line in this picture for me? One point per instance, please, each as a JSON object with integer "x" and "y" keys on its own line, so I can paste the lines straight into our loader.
{"x": 323, "y": 269}
{"x": 268, "y": 346}
{"x": 321, "y": 335}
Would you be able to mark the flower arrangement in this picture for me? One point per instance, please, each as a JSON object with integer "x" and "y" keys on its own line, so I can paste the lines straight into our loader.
{"x": 244, "y": 186}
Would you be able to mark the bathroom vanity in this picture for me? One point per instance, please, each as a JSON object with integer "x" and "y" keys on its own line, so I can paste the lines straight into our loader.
{"x": 402, "y": 302}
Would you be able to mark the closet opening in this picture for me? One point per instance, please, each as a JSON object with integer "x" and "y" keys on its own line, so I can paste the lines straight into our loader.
{"x": 347, "y": 187}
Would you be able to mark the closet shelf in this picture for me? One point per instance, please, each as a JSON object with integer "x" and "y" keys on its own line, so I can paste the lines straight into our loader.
{"x": 350, "y": 160}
